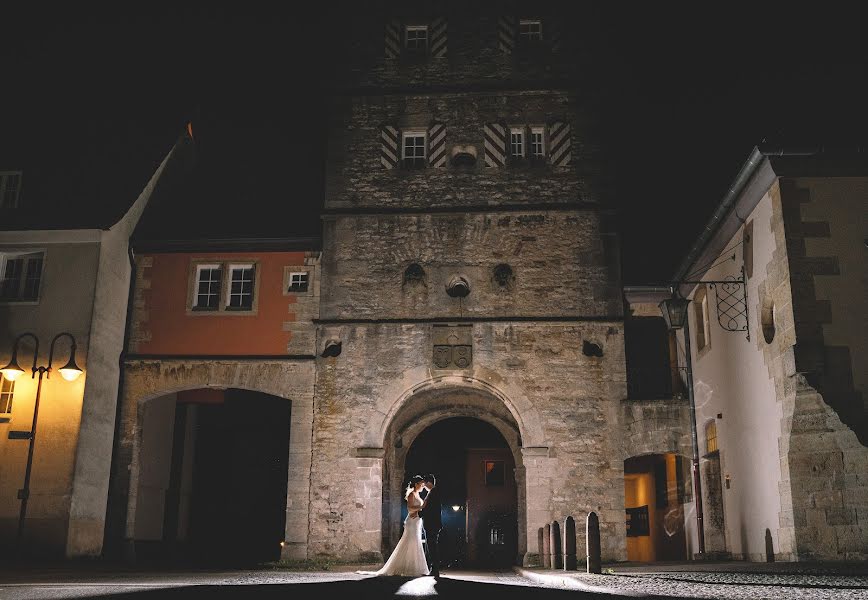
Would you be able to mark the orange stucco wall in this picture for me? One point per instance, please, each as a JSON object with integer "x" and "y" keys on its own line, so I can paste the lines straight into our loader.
{"x": 175, "y": 330}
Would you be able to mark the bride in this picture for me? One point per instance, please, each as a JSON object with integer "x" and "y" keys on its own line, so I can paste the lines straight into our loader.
{"x": 408, "y": 558}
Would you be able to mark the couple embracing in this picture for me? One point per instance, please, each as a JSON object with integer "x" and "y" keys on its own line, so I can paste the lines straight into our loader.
{"x": 408, "y": 558}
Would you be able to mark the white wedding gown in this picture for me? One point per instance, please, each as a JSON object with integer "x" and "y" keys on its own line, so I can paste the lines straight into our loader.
{"x": 408, "y": 558}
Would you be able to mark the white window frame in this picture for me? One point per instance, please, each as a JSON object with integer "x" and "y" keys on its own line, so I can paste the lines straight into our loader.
{"x": 530, "y": 36}
{"x": 414, "y": 133}
{"x": 230, "y": 269}
{"x": 540, "y": 131}
{"x": 519, "y": 131}
{"x": 209, "y": 267}
{"x": 299, "y": 274}
{"x": 415, "y": 28}
{"x": 706, "y": 324}
{"x": 7, "y": 395}
{"x": 26, "y": 256}
{"x": 4, "y": 178}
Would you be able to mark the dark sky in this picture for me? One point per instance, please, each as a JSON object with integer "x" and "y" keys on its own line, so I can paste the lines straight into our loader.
{"x": 690, "y": 92}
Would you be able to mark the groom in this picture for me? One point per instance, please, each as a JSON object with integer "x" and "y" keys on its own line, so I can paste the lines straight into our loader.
{"x": 431, "y": 522}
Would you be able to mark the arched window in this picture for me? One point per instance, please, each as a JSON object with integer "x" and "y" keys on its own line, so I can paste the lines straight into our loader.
{"x": 414, "y": 275}
{"x": 710, "y": 437}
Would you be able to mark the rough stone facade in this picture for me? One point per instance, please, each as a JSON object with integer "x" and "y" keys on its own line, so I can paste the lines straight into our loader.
{"x": 531, "y": 374}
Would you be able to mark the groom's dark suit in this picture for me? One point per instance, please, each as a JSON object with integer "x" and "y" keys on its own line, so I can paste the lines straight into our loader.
{"x": 432, "y": 524}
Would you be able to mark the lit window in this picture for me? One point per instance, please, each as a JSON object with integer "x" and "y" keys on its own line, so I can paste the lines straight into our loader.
{"x": 530, "y": 31}
{"x": 6, "y": 391}
{"x": 416, "y": 37}
{"x": 208, "y": 281}
{"x": 494, "y": 472}
{"x": 710, "y": 437}
{"x": 240, "y": 293}
{"x": 298, "y": 282}
{"x": 516, "y": 142}
{"x": 10, "y": 188}
{"x": 20, "y": 276}
{"x": 414, "y": 150}
{"x": 537, "y": 145}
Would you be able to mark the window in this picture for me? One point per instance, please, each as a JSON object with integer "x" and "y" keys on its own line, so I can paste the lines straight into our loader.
{"x": 240, "y": 293}
{"x": 710, "y": 437}
{"x": 298, "y": 282}
{"x": 10, "y": 188}
{"x": 516, "y": 142}
{"x": 638, "y": 523}
{"x": 414, "y": 150}
{"x": 20, "y": 276}
{"x": 700, "y": 303}
{"x": 208, "y": 281}
{"x": 530, "y": 31}
{"x": 416, "y": 38}
{"x": 537, "y": 145}
{"x": 6, "y": 390}
{"x": 494, "y": 473}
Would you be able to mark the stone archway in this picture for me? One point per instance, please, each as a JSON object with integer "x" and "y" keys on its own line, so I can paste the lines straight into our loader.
{"x": 430, "y": 403}
{"x": 145, "y": 380}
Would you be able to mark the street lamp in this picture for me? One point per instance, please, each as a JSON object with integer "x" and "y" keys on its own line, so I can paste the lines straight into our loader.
{"x": 70, "y": 371}
{"x": 674, "y": 311}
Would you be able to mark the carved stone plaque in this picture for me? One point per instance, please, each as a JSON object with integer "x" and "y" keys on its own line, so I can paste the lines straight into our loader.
{"x": 453, "y": 346}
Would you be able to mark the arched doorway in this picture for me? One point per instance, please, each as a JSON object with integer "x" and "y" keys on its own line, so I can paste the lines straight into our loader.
{"x": 211, "y": 479}
{"x": 467, "y": 413}
{"x": 475, "y": 472}
{"x": 656, "y": 490}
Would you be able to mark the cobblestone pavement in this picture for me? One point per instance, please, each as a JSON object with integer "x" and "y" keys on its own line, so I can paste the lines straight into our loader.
{"x": 725, "y": 581}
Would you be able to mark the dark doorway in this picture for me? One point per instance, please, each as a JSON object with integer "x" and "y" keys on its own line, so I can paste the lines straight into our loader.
{"x": 475, "y": 473}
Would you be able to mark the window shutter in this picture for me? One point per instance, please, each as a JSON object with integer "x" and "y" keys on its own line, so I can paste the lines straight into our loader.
{"x": 506, "y": 34}
{"x": 495, "y": 141}
{"x": 437, "y": 38}
{"x": 389, "y": 146}
{"x": 394, "y": 31}
{"x": 560, "y": 144}
{"x": 437, "y": 145}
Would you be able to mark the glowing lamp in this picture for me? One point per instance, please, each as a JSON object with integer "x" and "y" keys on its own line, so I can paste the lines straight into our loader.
{"x": 70, "y": 371}
{"x": 456, "y": 507}
{"x": 12, "y": 371}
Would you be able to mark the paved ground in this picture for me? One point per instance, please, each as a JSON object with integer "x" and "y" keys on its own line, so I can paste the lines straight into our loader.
{"x": 726, "y": 580}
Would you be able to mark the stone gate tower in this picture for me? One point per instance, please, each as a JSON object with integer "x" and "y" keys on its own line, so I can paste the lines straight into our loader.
{"x": 469, "y": 268}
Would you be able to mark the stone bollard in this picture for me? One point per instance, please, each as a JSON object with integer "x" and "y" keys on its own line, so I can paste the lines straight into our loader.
{"x": 547, "y": 547}
{"x": 592, "y": 535}
{"x": 555, "y": 545}
{"x": 540, "y": 546}
{"x": 570, "y": 562}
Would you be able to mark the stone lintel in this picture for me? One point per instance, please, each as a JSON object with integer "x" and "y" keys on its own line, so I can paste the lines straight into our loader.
{"x": 367, "y": 452}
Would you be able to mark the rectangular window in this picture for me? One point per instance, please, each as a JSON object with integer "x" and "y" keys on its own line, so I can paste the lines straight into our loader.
{"x": 413, "y": 151}
{"x": 637, "y": 521}
{"x": 530, "y": 31}
{"x": 20, "y": 276}
{"x": 537, "y": 145}
{"x": 7, "y": 388}
{"x": 494, "y": 472}
{"x": 10, "y": 188}
{"x": 208, "y": 280}
{"x": 416, "y": 38}
{"x": 701, "y": 322}
{"x": 240, "y": 293}
{"x": 516, "y": 142}
{"x": 297, "y": 282}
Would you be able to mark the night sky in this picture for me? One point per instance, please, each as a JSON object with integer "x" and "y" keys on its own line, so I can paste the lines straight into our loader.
{"x": 101, "y": 96}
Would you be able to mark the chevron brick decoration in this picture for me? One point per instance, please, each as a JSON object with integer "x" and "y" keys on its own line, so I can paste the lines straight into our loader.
{"x": 560, "y": 144}
{"x": 506, "y": 34}
{"x": 494, "y": 144}
{"x": 437, "y": 38}
{"x": 437, "y": 145}
{"x": 394, "y": 32}
{"x": 389, "y": 150}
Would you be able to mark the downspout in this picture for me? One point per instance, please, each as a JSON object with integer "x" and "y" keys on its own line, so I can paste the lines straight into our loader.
{"x": 108, "y": 533}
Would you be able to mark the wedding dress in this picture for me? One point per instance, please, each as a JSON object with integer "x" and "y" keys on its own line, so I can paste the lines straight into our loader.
{"x": 408, "y": 558}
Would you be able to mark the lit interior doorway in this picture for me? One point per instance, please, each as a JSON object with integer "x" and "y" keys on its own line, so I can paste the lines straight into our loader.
{"x": 475, "y": 473}
{"x": 656, "y": 489}
{"x": 212, "y": 477}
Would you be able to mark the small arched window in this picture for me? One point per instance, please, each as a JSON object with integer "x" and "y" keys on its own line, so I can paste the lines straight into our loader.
{"x": 414, "y": 275}
{"x": 711, "y": 437}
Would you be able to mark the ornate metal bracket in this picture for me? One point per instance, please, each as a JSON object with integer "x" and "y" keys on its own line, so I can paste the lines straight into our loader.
{"x": 731, "y": 299}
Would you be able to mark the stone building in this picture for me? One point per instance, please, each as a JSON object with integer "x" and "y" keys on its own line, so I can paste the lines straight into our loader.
{"x": 66, "y": 269}
{"x": 469, "y": 270}
{"x": 779, "y": 361}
